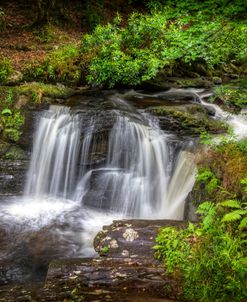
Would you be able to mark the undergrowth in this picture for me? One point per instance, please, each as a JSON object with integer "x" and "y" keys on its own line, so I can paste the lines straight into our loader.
{"x": 175, "y": 35}
{"x": 209, "y": 258}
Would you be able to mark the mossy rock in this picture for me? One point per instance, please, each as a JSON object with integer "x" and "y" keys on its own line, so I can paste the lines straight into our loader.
{"x": 11, "y": 152}
{"x": 162, "y": 82}
{"x": 192, "y": 118}
{"x": 37, "y": 91}
{"x": 33, "y": 93}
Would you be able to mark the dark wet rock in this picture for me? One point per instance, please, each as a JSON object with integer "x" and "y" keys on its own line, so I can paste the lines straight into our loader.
{"x": 15, "y": 294}
{"x": 127, "y": 272}
{"x": 110, "y": 279}
{"x": 126, "y": 267}
{"x": 217, "y": 80}
{"x": 12, "y": 176}
{"x": 130, "y": 238}
{"x": 162, "y": 82}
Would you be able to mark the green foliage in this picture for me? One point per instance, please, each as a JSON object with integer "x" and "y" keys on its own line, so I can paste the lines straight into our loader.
{"x": 208, "y": 177}
{"x": 168, "y": 37}
{"x": 11, "y": 119}
{"x": 232, "y": 97}
{"x": 61, "y": 65}
{"x": 208, "y": 258}
{"x": 12, "y": 122}
{"x": 44, "y": 34}
{"x": 6, "y": 69}
{"x": 239, "y": 212}
{"x": 104, "y": 250}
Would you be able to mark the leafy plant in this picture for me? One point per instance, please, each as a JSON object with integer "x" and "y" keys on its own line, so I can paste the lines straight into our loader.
{"x": 104, "y": 250}
{"x": 61, "y": 65}
{"x": 239, "y": 212}
{"x": 208, "y": 259}
{"x": 12, "y": 122}
{"x": 6, "y": 69}
{"x": 210, "y": 180}
{"x": 44, "y": 34}
{"x": 231, "y": 97}
{"x": 164, "y": 38}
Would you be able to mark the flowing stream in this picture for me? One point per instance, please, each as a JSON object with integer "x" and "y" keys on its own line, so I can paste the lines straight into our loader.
{"x": 84, "y": 173}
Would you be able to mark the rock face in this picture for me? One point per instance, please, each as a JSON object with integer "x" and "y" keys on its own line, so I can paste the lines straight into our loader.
{"x": 126, "y": 267}
{"x": 12, "y": 176}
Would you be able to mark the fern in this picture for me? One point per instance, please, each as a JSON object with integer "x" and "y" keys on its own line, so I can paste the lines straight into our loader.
{"x": 230, "y": 203}
{"x": 205, "y": 207}
{"x": 234, "y": 215}
{"x": 243, "y": 223}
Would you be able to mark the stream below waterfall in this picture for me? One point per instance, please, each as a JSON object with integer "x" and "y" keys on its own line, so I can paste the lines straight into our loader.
{"x": 95, "y": 160}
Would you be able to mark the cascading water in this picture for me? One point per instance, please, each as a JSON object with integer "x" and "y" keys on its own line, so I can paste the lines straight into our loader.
{"x": 134, "y": 179}
{"x": 55, "y": 154}
{"x": 82, "y": 177}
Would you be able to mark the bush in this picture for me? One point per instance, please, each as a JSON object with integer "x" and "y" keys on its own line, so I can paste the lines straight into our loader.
{"x": 231, "y": 97}
{"x": 116, "y": 55}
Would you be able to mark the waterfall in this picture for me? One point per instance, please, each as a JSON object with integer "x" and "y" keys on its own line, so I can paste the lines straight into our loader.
{"x": 55, "y": 153}
{"x": 135, "y": 177}
{"x": 138, "y": 178}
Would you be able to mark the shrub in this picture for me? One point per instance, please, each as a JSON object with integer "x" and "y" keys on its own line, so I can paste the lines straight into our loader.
{"x": 231, "y": 97}
{"x": 135, "y": 53}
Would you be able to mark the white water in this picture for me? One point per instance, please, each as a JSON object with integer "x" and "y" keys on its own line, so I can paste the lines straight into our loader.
{"x": 237, "y": 122}
{"x": 134, "y": 182}
{"x": 54, "y": 158}
{"x": 68, "y": 199}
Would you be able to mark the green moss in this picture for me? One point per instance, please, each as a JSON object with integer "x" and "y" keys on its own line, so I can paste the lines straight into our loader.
{"x": 37, "y": 90}
{"x": 192, "y": 117}
{"x": 9, "y": 152}
{"x": 104, "y": 250}
{"x": 194, "y": 82}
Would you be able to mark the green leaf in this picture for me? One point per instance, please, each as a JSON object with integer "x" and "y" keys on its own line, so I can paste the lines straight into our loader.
{"x": 205, "y": 207}
{"x": 230, "y": 203}
{"x": 6, "y": 111}
{"x": 233, "y": 216}
{"x": 243, "y": 223}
